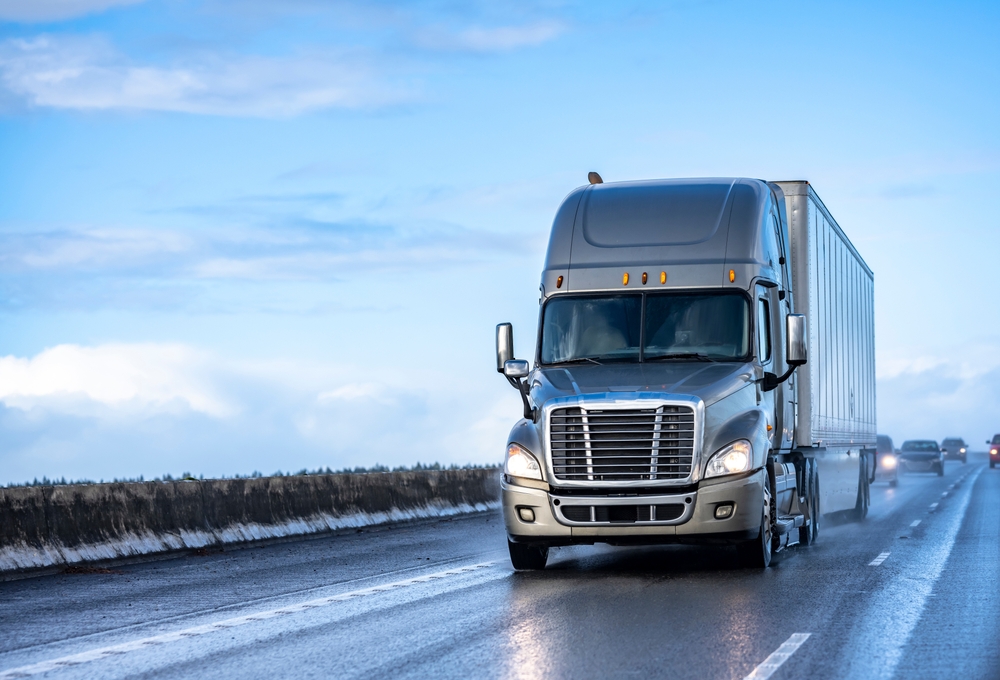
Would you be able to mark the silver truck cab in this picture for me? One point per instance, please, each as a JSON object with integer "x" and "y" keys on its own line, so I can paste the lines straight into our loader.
{"x": 661, "y": 395}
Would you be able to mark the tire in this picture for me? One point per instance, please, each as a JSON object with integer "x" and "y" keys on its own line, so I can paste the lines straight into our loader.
{"x": 964, "y": 461}
{"x": 806, "y": 536}
{"x": 817, "y": 523}
{"x": 940, "y": 470}
{"x": 864, "y": 495}
{"x": 756, "y": 553}
{"x": 893, "y": 483}
{"x": 527, "y": 557}
{"x": 993, "y": 464}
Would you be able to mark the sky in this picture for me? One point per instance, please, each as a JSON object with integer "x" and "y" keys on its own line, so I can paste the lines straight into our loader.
{"x": 278, "y": 234}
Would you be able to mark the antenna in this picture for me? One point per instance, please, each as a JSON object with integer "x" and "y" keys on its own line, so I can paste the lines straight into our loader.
{"x": 594, "y": 178}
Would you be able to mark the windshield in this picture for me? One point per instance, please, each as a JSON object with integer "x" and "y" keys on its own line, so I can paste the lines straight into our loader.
{"x": 920, "y": 446}
{"x": 996, "y": 439}
{"x": 883, "y": 445}
{"x": 638, "y": 327}
{"x": 953, "y": 442}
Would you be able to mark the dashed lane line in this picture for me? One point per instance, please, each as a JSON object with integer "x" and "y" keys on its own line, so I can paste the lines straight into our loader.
{"x": 915, "y": 523}
{"x": 879, "y": 560}
{"x": 772, "y": 663}
{"x": 124, "y": 648}
{"x": 933, "y": 506}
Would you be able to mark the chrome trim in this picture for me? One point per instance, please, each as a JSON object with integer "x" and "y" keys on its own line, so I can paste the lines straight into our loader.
{"x": 624, "y": 401}
{"x": 604, "y": 501}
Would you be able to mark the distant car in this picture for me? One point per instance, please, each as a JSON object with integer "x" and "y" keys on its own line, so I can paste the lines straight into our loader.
{"x": 886, "y": 464}
{"x": 955, "y": 448}
{"x": 994, "y": 450}
{"x": 922, "y": 455}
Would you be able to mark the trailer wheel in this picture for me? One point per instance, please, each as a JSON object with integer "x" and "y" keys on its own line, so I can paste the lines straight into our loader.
{"x": 864, "y": 495}
{"x": 527, "y": 557}
{"x": 756, "y": 553}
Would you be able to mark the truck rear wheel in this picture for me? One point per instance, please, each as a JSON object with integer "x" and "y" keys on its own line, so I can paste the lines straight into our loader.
{"x": 807, "y": 533}
{"x": 527, "y": 557}
{"x": 864, "y": 494}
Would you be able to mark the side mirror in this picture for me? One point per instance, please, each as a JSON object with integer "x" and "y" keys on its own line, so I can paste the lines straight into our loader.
{"x": 795, "y": 331}
{"x": 505, "y": 345}
{"x": 516, "y": 368}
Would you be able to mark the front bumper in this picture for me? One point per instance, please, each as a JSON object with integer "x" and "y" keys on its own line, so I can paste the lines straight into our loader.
{"x": 695, "y": 524}
{"x": 920, "y": 464}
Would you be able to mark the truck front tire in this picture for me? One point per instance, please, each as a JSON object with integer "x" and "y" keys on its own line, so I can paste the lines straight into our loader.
{"x": 527, "y": 557}
{"x": 756, "y": 553}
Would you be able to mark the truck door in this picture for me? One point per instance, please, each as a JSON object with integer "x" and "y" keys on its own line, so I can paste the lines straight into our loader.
{"x": 780, "y": 307}
{"x": 765, "y": 355}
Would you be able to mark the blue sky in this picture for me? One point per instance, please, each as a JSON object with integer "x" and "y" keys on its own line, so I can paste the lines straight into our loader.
{"x": 273, "y": 235}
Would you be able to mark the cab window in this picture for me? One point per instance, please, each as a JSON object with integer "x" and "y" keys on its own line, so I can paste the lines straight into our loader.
{"x": 763, "y": 330}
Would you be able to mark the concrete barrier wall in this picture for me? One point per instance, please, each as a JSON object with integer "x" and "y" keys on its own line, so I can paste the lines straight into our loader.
{"x": 45, "y": 526}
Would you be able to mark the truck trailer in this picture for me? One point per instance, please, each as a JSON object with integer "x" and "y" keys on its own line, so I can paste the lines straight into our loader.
{"x": 704, "y": 372}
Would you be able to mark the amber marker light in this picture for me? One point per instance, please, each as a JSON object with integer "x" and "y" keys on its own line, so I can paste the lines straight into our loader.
{"x": 732, "y": 275}
{"x": 625, "y": 279}
{"x": 644, "y": 278}
{"x": 559, "y": 282}
{"x": 663, "y": 277}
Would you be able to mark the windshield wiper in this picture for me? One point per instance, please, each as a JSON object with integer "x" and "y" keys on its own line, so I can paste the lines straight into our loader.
{"x": 577, "y": 361}
{"x": 682, "y": 355}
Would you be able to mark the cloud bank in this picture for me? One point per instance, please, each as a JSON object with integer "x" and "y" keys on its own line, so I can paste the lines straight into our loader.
{"x": 126, "y": 409}
{"x": 86, "y": 73}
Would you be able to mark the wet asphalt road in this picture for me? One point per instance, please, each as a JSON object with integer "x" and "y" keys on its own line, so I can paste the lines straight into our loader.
{"x": 438, "y": 599}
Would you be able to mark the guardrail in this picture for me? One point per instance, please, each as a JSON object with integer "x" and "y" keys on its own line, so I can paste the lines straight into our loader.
{"x": 47, "y": 526}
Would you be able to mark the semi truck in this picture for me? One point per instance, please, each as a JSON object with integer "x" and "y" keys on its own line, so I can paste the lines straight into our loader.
{"x": 704, "y": 372}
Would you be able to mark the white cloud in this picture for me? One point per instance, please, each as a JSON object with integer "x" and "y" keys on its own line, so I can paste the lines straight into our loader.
{"x": 367, "y": 391}
{"x": 491, "y": 39}
{"x": 55, "y": 10}
{"x": 85, "y": 73}
{"x": 90, "y": 248}
{"x": 129, "y": 378}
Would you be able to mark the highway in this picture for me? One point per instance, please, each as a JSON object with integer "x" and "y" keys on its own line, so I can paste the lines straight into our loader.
{"x": 912, "y": 592}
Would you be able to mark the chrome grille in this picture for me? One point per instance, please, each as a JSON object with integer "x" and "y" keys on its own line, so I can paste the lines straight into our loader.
{"x": 614, "y": 445}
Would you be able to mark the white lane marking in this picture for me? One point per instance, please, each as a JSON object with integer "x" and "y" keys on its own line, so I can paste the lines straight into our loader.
{"x": 895, "y": 609}
{"x": 915, "y": 522}
{"x": 944, "y": 495}
{"x": 879, "y": 560}
{"x": 933, "y": 506}
{"x": 104, "y": 652}
{"x": 772, "y": 663}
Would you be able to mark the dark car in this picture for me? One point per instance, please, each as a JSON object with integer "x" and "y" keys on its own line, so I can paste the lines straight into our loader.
{"x": 921, "y": 455}
{"x": 994, "y": 450}
{"x": 955, "y": 448}
{"x": 886, "y": 465}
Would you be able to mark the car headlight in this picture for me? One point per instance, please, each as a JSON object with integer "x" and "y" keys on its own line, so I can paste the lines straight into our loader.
{"x": 731, "y": 459}
{"x": 961, "y": 450}
{"x": 521, "y": 463}
{"x": 888, "y": 462}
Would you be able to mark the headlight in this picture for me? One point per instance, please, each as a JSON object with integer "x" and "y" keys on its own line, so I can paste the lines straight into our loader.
{"x": 731, "y": 459}
{"x": 961, "y": 450}
{"x": 888, "y": 462}
{"x": 520, "y": 463}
